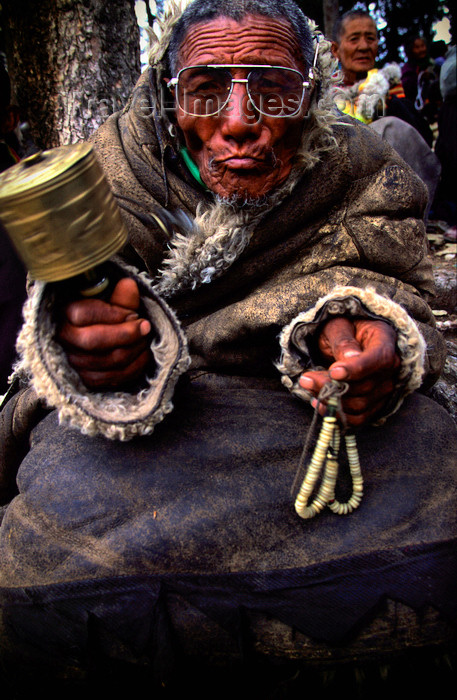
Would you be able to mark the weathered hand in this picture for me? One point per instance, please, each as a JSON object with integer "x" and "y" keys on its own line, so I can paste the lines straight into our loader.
{"x": 106, "y": 343}
{"x": 362, "y": 353}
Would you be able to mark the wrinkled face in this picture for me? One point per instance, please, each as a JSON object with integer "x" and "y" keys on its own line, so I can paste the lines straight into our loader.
{"x": 241, "y": 153}
{"x": 357, "y": 47}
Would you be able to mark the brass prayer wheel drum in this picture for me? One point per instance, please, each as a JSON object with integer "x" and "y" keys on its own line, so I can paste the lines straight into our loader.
{"x": 60, "y": 213}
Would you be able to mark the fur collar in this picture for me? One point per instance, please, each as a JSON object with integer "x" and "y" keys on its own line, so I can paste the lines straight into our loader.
{"x": 219, "y": 235}
{"x": 368, "y": 93}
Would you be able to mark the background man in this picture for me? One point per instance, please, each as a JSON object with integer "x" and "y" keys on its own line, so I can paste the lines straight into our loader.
{"x": 355, "y": 46}
{"x": 376, "y": 96}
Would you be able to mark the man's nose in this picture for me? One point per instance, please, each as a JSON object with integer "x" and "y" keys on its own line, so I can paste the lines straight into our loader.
{"x": 239, "y": 117}
{"x": 363, "y": 44}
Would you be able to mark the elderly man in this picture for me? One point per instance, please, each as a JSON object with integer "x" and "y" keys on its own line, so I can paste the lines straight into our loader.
{"x": 355, "y": 46}
{"x": 155, "y": 536}
{"x": 376, "y": 96}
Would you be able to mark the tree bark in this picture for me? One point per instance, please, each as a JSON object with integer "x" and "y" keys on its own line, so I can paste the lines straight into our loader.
{"x": 331, "y": 12}
{"x": 71, "y": 63}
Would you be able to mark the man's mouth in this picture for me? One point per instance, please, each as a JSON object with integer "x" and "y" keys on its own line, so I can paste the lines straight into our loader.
{"x": 244, "y": 162}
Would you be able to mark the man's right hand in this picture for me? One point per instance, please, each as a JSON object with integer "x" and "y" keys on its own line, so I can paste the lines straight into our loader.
{"x": 106, "y": 342}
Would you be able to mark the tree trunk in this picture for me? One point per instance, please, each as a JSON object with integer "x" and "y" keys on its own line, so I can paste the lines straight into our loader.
{"x": 71, "y": 62}
{"x": 331, "y": 12}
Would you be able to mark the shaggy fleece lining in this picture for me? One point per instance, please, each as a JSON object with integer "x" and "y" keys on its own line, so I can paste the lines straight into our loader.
{"x": 116, "y": 415}
{"x": 296, "y": 353}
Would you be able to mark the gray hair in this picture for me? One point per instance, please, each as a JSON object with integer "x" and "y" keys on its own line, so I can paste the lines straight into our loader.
{"x": 338, "y": 27}
{"x": 206, "y": 10}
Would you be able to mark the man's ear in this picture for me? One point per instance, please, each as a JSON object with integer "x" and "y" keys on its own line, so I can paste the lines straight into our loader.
{"x": 171, "y": 111}
{"x": 335, "y": 50}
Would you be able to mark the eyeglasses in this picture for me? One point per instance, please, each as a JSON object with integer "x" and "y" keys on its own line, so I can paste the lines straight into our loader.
{"x": 274, "y": 91}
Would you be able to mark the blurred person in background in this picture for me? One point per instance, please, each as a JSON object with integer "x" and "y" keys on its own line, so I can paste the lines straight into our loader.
{"x": 445, "y": 204}
{"x": 420, "y": 79}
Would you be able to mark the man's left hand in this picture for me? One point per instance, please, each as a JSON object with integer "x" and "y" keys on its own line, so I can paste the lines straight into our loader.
{"x": 362, "y": 353}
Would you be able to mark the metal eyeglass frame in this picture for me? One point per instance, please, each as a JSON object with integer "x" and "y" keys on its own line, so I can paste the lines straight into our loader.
{"x": 173, "y": 82}
{"x": 305, "y": 85}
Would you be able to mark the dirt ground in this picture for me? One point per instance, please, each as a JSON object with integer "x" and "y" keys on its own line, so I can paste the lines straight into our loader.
{"x": 444, "y": 306}
{"x": 444, "y": 258}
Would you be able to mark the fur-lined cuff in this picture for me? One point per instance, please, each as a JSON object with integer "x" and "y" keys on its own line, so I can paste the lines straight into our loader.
{"x": 298, "y": 342}
{"x": 116, "y": 415}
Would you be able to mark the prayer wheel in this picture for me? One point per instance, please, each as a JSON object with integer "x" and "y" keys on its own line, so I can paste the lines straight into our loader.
{"x": 59, "y": 211}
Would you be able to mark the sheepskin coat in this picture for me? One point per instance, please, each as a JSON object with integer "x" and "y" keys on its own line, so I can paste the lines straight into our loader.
{"x": 228, "y": 285}
{"x": 225, "y": 285}
{"x": 354, "y": 219}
